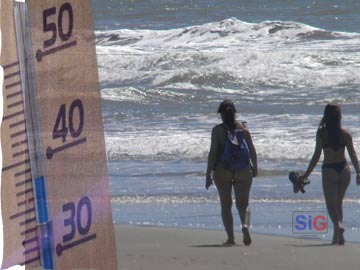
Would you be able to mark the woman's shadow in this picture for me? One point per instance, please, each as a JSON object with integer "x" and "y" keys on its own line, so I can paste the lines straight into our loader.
{"x": 213, "y": 246}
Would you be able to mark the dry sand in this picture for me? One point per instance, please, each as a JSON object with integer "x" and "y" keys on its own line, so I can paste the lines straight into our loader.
{"x": 152, "y": 248}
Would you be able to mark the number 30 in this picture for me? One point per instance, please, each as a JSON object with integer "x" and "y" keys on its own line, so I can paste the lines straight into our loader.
{"x": 74, "y": 220}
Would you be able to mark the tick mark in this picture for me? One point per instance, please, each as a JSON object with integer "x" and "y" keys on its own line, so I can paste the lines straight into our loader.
{"x": 40, "y": 54}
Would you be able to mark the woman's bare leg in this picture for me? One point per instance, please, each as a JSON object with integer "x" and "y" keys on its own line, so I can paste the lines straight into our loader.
{"x": 223, "y": 182}
{"x": 242, "y": 185}
{"x": 335, "y": 186}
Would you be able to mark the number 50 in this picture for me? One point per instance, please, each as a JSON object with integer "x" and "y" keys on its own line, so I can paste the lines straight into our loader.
{"x": 59, "y": 29}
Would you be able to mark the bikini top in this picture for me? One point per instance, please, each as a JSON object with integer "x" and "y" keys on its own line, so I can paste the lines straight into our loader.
{"x": 324, "y": 139}
{"x": 325, "y": 145}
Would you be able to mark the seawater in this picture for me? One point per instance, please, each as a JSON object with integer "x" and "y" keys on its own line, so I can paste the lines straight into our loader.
{"x": 164, "y": 68}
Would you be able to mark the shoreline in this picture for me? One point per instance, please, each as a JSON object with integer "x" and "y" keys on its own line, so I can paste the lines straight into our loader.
{"x": 150, "y": 248}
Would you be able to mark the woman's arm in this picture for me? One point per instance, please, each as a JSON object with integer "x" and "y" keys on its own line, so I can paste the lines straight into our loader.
{"x": 213, "y": 153}
{"x": 314, "y": 160}
{"x": 351, "y": 150}
{"x": 252, "y": 150}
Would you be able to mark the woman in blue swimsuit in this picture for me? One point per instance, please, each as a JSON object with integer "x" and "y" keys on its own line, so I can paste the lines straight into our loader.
{"x": 333, "y": 139}
{"x": 225, "y": 179}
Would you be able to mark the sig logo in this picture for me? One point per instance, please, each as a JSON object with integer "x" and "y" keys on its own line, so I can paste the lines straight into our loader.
{"x": 310, "y": 222}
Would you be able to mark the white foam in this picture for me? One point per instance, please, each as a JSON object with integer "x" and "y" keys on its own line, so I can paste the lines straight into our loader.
{"x": 157, "y": 144}
{"x": 128, "y": 94}
{"x": 178, "y": 199}
{"x": 286, "y": 137}
{"x": 231, "y": 52}
{"x": 141, "y": 96}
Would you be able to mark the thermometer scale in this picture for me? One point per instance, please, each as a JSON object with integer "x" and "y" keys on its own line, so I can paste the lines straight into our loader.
{"x": 55, "y": 199}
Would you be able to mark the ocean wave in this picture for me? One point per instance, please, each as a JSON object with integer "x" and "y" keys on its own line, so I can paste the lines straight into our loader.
{"x": 231, "y": 28}
{"x": 287, "y": 138}
{"x": 280, "y": 72}
{"x": 142, "y": 96}
{"x": 158, "y": 145}
{"x": 297, "y": 59}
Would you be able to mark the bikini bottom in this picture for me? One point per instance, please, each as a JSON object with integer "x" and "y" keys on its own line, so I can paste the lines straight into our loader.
{"x": 338, "y": 166}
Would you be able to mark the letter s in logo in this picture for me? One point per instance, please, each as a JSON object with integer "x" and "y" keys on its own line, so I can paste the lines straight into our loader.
{"x": 300, "y": 222}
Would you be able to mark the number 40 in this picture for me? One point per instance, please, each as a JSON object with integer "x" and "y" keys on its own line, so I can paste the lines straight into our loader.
{"x": 61, "y": 128}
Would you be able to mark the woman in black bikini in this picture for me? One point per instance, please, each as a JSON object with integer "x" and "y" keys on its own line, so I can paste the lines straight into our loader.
{"x": 333, "y": 140}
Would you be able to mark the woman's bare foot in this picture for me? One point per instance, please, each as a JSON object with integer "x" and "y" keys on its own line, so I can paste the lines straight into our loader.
{"x": 246, "y": 236}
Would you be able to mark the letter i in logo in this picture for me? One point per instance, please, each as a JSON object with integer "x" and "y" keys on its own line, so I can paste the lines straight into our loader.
{"x": 310, "y": 222}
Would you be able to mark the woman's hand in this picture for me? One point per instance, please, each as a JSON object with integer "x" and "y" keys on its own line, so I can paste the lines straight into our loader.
{"x": 209, "y": 180}
{"x": 254, "y": 171}
{"x": 302, "y": 177}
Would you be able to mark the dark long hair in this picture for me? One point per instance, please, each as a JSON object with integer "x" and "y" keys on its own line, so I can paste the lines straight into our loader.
{"x": 227, "y": 111}
{"x": 331, "y": 122}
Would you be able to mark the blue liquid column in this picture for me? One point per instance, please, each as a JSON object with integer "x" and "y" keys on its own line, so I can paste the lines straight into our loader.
{"x": 28, "y": 83}
{"x": 44, "y": 223}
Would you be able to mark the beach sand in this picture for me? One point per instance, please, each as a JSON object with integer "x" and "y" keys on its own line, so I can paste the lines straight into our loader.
{"x": 154, "y": 248}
